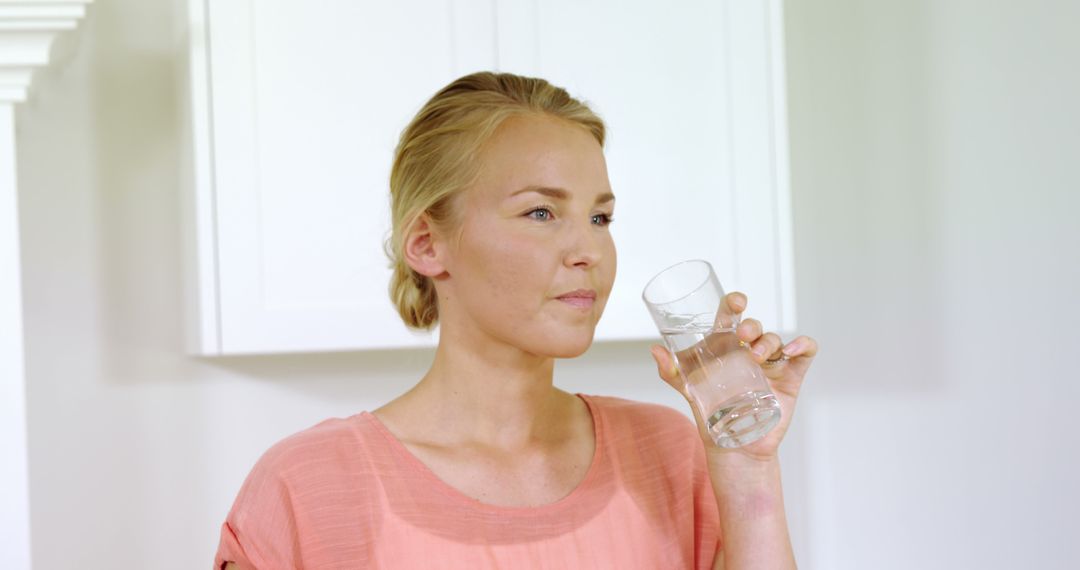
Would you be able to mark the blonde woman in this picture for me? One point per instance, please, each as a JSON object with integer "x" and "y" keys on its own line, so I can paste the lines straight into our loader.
{"x": 501, "y": 205}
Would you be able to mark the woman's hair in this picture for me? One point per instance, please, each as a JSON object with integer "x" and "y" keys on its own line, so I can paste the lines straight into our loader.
{"x": 437, "y": 159}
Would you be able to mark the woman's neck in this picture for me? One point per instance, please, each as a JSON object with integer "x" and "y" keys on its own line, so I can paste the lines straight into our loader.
{"x": 498, "y": 397}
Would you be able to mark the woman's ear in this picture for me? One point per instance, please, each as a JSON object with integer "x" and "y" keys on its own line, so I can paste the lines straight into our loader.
{"x": 423, "y": 248}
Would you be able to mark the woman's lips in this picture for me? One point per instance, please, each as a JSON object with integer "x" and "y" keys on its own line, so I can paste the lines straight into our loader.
{"x": 578, "y": 302}
{"x": 579, "y": 298}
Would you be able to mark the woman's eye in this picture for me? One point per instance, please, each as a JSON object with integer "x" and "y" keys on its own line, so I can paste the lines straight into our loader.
{"x": 541, "y": 214}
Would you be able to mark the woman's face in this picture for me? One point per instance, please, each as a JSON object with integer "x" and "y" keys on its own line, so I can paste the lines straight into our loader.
{"x": 534, "y": 229}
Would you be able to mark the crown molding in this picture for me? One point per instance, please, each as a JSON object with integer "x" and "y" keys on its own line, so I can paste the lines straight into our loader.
{"x": 27, "y": 31}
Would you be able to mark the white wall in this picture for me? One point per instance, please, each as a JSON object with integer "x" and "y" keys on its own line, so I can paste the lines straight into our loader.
{"x": 935, "y": 149}
{"x": 136, "y": 450}
{"x": 936, "y": 167}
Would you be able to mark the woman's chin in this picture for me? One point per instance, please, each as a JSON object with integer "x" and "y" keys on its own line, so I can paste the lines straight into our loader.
{"x": 571, "y": 347}
{"x": 558, "y": 341}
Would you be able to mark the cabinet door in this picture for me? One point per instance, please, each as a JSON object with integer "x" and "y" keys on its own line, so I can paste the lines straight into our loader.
{"x": 692, "y": 93}
{"x": 297, "y": 107}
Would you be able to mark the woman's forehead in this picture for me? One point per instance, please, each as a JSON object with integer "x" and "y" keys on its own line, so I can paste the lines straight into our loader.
{"x": 559, "y": 194}
{"x": 551, "y": 157}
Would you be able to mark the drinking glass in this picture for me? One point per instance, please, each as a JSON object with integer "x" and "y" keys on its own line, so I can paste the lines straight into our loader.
{"x": 721, "y": 376}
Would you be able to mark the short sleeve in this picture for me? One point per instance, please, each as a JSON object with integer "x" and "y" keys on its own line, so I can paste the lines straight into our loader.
{"x": 230, "y": 550}
{"x": 260, "y": 529}
{"x": 707, "y": 540}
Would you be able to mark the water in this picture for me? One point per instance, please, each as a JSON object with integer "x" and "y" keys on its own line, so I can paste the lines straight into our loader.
{"x": 677, "y": 322}
{"x": 725, "y": 382}
{"x": 744, "y": 419}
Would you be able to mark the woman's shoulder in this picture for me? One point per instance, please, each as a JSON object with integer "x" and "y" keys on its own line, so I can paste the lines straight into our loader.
{"x": 331, "y": 447}
{"x": 649, "y": 434}
{"x": 657, "y": 419}
{"x": 635, "y": 408}
{"x": 308, "y": 484}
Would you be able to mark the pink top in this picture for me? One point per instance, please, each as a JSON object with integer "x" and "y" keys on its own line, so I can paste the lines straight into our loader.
{"x": 346, "y": 493}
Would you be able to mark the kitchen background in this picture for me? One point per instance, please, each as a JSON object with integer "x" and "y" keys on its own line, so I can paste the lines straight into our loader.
{"x": 935, "y": 180}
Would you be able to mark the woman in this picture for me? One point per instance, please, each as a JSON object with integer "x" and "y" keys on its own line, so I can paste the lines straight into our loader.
{"x": 501, "y": 205}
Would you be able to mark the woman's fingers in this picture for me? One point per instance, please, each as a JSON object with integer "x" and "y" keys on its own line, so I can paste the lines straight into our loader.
{"x": 665, "y": 366}
{"x": 730, "y": 308}
{"x": 736, "y": 302}
{"x": 801, "y": 351}
{"x": 767, "y": 347}
{"x": 802, "y": 346}
{"x": 669, "y": 371}
{"x": 749, "y": 331}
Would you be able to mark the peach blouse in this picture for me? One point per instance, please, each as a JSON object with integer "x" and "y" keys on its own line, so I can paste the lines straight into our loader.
{"x": 346, "y": 493}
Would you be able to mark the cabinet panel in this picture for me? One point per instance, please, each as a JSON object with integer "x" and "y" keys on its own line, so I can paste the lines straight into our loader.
{"x": 305, "y": 106}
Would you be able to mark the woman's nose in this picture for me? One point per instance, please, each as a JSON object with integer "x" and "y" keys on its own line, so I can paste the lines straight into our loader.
{"x": 584, "y": 248}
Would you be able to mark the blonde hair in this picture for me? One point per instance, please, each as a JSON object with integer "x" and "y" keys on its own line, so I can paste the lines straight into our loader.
{"x": 436, "y": 160}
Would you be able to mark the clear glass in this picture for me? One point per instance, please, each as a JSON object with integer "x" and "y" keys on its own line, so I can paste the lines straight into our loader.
{"x": 723, "y": 380}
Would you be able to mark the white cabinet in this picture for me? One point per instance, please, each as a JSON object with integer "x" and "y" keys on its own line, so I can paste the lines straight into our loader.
{"x": 296, "y": 108}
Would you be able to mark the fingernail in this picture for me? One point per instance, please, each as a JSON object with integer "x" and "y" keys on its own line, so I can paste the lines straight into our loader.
{"x": 791, "y": 349}
{"x": 759, "y": 350}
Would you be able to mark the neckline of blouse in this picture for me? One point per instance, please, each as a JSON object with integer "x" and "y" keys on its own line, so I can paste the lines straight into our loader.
{"x": 445, "y": 488}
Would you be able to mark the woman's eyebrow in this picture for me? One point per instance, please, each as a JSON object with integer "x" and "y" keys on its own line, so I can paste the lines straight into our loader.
{"x": 561, "y": 194}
